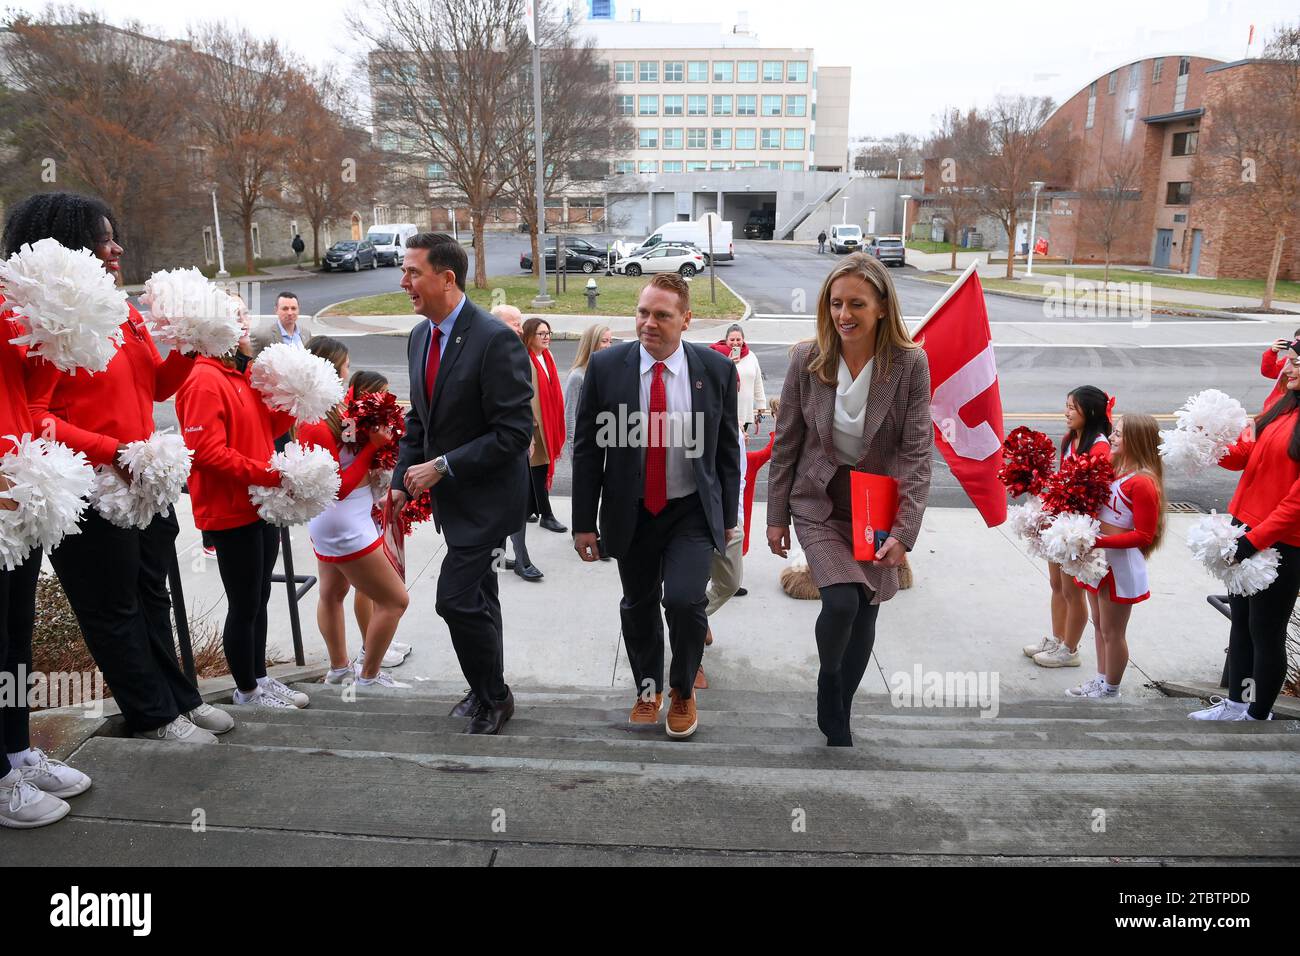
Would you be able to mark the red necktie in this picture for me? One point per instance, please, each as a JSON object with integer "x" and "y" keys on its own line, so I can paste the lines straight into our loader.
{"x": 656, "y": 456}
{"x": 431, "y": 363}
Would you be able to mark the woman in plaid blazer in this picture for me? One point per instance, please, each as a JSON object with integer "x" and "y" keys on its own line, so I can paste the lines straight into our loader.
{"x": 855, "y": 398}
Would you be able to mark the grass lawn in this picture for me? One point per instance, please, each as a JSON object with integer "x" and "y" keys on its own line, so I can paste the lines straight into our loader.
{"x": 925, "y": 245}
{"x": 1035, "y": 290}
{"x": 1288, "y": 291}
{"x": 618, "y": 296}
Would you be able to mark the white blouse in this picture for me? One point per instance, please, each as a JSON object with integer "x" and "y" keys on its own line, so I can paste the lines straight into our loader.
{"x": 851, "y": 412}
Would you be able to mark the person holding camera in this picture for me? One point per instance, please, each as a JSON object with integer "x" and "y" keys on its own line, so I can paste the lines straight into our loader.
{"x": 1272, "y": 365}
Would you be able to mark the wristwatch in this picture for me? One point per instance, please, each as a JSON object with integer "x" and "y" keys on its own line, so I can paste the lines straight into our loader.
{"x": 440, "y": 465}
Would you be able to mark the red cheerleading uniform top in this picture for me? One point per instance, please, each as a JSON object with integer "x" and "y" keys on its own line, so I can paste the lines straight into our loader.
{"x": 1100, "y": 449}
{"x": 96, "y": 413}
{"x": 232, "y": 434}
{"x": 1141, "y": 498}
{"x": 15, "y": 418}
{"x": 318, "y": 433}
{"x": 1267, "y": 498}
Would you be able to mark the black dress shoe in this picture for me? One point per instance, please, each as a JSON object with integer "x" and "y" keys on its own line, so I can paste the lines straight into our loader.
{"x": 489, "y": 719}
{"x": 550, "y": 524}
{"x": 529, "y": 573}
{"x": 510, "y": 564}
{"x": 532, "y": 519}
{"x": 468, "y": 704}
{"x": 741, "y": 592}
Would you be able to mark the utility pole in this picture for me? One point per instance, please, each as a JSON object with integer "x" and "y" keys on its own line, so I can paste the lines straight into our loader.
{"x": 542, "y": 300}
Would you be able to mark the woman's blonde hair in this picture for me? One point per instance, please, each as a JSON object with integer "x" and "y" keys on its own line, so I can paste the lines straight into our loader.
{"x": 591, "y": 337}
{"x": 336, "y": 353}
{"x": 1140, "y": 453}
{"x": 891, "y": 331}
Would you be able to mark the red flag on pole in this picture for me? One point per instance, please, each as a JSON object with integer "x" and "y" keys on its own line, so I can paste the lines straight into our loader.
{"x": 965, "y": 402}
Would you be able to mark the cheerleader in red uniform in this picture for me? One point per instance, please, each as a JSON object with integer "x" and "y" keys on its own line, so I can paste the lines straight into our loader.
{"x": 1132, "y": 524}
{"x": 1087, "y": 418}
{"x": 1272, "y": 365}
{"x": 348, "y": 545}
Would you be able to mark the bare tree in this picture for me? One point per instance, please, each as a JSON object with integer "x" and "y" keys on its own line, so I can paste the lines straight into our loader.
{"x": 955, "y": 146}
{"x": 446, "y": 75}
{"x": 880, "y": 157}
{"x": 245, "y": 84}
{"x": 1249, "y": 153}
{"x": 1109, "y": 203}
{"x": 1020, "y": 148}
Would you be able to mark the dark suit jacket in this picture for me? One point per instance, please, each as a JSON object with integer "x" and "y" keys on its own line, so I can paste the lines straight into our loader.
{"x": 480, "y": 419}
{"x": 611, "y": 477}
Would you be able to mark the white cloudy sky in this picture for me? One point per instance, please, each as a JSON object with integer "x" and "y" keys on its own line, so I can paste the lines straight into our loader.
{"x": 910, "y": 59}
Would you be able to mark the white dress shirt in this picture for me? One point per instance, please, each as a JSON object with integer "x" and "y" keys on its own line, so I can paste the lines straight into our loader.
{"x": 851, "y": 412}
{"x": 677, "y": 387}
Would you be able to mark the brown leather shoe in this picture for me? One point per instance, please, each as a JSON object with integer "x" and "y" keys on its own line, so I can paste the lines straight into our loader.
{"x": 682, "y": 719}
{"x": 645, "y": 712}
{"x": 708, "y": 637}
{"x": 701, "y": 682}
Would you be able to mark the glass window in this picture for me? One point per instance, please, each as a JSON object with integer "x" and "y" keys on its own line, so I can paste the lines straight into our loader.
{"x": 772, "y": 105}
{"x": 792, "y": 165}
{"x": 1133, "y": 77}
{"x": 772, "y": 71}
{"x": 624, "y": 167}
{"x": 649, "y": 71}
{"x": 697, "y": 71}
{"x": 1184, "y": 65}
{"x": 696, "y": 165}
{"x": 796, "y": 71}
{"x": 1178, "y": 194}
{"x": 435, "y": 171}
{"x": 771, "y": 139}
{"x": 794, "y": 139}
{"x": 647, "y": 166}
{"x": 648, "y": 105}
{"x": 747, "y": 71}
{"x": 721, "y": 139}
{"x": 722, "y": 106}
{"x": 1184, "y": 144}
{"x": 746, "y": 138}
{"x": 719, "y": 164}
{"x": 1111, "y": 81}
{"x": 724, "y": 71}
{"x": 796, "y": 105}
{"x": 625, "y": 105}
{"x": 697, "y": 105}
{"x": 672, "y": 139}
{"x": 674, "y": 71}
{"x": 623, "y": 71}
{"x": 672, "y": 165}
{"x": 769, "y": 164}
{"x": 747, "y": 105}
{"x": 696, "y": 138}
{"x": 673, "y": 105}
{"x": 1156, "y": 71}
{"x": 648, "y": 138}
{"x": 744, "y": 164}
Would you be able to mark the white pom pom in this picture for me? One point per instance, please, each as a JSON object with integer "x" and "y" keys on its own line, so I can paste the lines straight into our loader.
{"x": 1209, "y": 423}
{"x": 1090, "y": 568}
{"x": 1068, "y": 537}
{"x": 159, "y": 466}
{"x": 293, "y": 380}
{"x": 51, "y": 484}
{"x": 1257, "y": 573}
{"x": 309, "y": 483}
{"x": 381, "y": 479}
{"x": 1213, "y": 542}
{"x": 68, "y": 307}
{"x": 1186, "y": 452}
{"x": 797, "y": 560}
{"x": 190, "y": 313}
{"x": 1027, "y": 520}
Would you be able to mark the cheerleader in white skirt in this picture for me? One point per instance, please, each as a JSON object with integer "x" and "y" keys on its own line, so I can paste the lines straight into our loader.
{"x": 1132, "y": 524}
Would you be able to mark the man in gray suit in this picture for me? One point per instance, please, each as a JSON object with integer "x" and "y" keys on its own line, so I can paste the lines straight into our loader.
{"x": 285, "y": 327}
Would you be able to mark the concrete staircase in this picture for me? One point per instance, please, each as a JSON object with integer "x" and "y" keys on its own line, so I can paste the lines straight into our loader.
{"x": 388, "y": 778}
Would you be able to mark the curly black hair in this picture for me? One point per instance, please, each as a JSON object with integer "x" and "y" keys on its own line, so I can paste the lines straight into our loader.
{"x": 76, "y": 221}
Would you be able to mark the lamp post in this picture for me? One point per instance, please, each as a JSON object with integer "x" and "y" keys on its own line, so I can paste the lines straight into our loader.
{"x": 905, "y": 197}
{"x": 221, "y": 253}
{"x": 1033, "y": 227}
{"x": 541, "y": 300}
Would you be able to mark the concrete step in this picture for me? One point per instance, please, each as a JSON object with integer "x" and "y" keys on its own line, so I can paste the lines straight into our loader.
{"x": 607, "y": 803}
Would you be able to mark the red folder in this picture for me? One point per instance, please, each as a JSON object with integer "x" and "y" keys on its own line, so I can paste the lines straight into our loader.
{"x": 875, "y": 505}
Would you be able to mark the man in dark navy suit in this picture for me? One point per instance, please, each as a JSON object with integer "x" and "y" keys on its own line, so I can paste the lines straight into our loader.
{"x": 466, "y": 434}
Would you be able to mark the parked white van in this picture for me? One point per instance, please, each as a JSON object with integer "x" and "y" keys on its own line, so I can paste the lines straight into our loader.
{"x": 846, "y": 237}
{"x": 389, "y": 241}
{"x": 697, "y": 234}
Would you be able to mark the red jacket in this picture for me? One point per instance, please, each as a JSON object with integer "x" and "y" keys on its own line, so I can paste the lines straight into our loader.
{"x": 1144, "y": 502}
{"x": 318, "y": 433}
{"x": 1267, "y": 499}
{"x": 1271, "y": 365}
{"x": 232, "y": 433}
{"x": 96, "y": 413}
{"x": 15, "y": 419}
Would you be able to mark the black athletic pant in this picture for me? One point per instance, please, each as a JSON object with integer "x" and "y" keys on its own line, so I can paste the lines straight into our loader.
{"x": 1257, "y": 645}
{"x": 17, "y": 616}
{"x": 468, "y": 600}
{"x": 668, "y": 560}
{"x": 246, "y": 559}
{"x": 541, "y": 497}
{"x": 521, "y": 547}
{"x": 846, "y": 632}
{"x": 116, "y": 581}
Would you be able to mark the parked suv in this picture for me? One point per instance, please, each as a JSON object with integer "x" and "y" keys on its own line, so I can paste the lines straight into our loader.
{"x": 353, "y": 254}
{"x": 760, "y": 225}
{"x": 889, "y": 250}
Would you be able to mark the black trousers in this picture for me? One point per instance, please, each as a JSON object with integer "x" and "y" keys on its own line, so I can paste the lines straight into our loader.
{"x": 541, "y": 497}
{"x": 846, "y": 633}
{"x": 1257, "y": 643}
{"x": 116, "y": 582}
{"x": 668, "y": 561}
{"x": 468, "y": 600}
{"x": 17, "y": 617}
{"x": 246, "y": 559}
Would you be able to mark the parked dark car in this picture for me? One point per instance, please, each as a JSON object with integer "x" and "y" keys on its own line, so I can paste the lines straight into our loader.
{"x": 573, "y": 261}
{"x": 760, "y": 225}
{"x": 351, "y": 254}
{"x": 889, "y": 250}
{"x": 577, "y": 244}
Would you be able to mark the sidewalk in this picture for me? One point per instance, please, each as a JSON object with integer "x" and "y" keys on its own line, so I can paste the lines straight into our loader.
{"x": 977, "y": 598}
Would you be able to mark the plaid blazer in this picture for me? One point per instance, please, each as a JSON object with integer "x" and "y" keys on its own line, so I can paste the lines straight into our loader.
{"x": 899, "y": 437}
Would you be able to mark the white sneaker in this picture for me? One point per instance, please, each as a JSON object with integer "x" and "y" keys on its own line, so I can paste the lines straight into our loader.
{"x": 382, "y": 679}
{"x": 1244, "y": 714}
{"x": 209, "y": 718}
{"x": 24, "y": 806}
{"x": 54, "y": 776}
{"x": 1098, "y": 691}
{"x": 1046, "y": 644}
{"x": 1058, "y": 656}
{"x": 392, "y": 658}
{"x": 400, "y": 648}
{"x": 262, "y": 699}
{"x": 295, "y": 697}
{"x": 1220, "y": 709}
{"x": 341, "y": 675}
{"x": 1082, "y": 689}
{"x": 179, "y": 731}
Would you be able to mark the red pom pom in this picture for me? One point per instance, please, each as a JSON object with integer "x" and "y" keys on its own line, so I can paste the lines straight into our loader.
{"x": 1028, "y": 458}
{"x": 416, "y": 510}
{"x": 1081, "y": 487}
{"x": 368, "y": 414}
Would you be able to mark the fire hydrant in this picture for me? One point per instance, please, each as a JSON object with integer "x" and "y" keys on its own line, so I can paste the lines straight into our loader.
{"x": 592, "y": 292}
